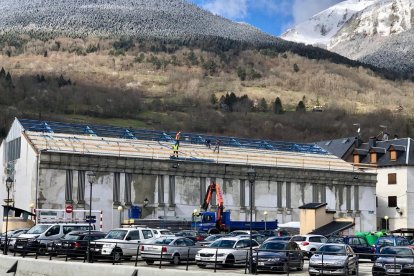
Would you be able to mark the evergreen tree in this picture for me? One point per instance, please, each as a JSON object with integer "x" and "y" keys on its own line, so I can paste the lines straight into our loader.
{"x": 2, "y": 73}
{"x": 263, "y": 105}
{"x": 213, "y": 99}
{"x": 301, "y": 107}
{"x": 241, "y": 73}
{"x": 295, "y": 68}
{"x": 277, "y": 106}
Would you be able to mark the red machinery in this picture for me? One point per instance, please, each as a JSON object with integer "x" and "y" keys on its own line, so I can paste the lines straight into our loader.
{"x": 214, "y": 187}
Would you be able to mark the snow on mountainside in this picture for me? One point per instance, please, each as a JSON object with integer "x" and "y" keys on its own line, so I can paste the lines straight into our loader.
{"x": 167, "y": 19}
{"x": 362, "y": 29}
{"x": 320, "y": 28}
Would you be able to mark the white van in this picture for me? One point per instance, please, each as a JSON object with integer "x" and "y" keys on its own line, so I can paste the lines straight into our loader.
{"x": 43, "y": 233}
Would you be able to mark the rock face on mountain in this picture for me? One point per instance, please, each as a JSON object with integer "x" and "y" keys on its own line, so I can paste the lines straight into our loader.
{"x": 373, "y": 31}
{"x": 168, "y": 19}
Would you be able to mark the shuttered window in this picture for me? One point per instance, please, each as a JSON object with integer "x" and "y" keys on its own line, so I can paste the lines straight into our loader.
{"x": 393, "y": 155}
{"x": 81, "y": 187}
{"x": 356, "y": 159}
{"x": 128, "y": 188}
{"x": 69, "y": 186}
{"x": 13, "y": 149}
{"x": 392, "y": 201}
{"x": 373, "y": 157}
{"x": 117, "y": 188}
{"x": 392, "y": 178}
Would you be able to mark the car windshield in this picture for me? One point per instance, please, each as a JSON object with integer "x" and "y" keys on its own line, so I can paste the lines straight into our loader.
{"x": 273, "y": 246}
{"x": 212, "y": 238}
{"x": 336, "y": 240}
{"x": 166, "y": 232}
{"x": 223, "y": 244}
{"x": 332, "y": 248}
{"x": 397, "y": 251}
{"x": 38, "y": 229}
{"x": 298, "y": 238}
{"x": 116, "y": 234}
{"x": 163, "y": 241}
{"x": 72, "y": 237}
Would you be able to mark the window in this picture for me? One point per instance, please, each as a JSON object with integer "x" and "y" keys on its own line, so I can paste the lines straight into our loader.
{"x": 189, "y": 242}
{"x": 402, "y": 242}
{"x": 363, "y": 242}
{"x": 242, "y": 193}
{"x": 242, "y": 244}
{"x": 373, "y": 157}
{"x": 315, "y": 239}
{"x": 288, "y": 195}
{"x": 202, "y": 189}
{"x": 134, "y": 235}
{"x": 117, "y": 188}
{"x": 392, "y": 201}
{"x": 354, "y": 241}
{"x": 128, "y": 184}
{"x": 348, "y": 198}
{"x": 393, "y": 155}
{"x": 171, "y": 195}
{"x": 356, "y": 159}
{"x": 392, "y": 178}
{"x": 81, "y": 187}
{"x": 53, "y": 231}
{"x": 13, "y": 149}
{"x": 68, "y": 186}
{"x": 147, "y": 234}
{"x": 279, "y": 194}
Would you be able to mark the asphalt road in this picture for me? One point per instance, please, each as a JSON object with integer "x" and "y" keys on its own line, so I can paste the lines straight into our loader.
{"x": 364, "y": 266}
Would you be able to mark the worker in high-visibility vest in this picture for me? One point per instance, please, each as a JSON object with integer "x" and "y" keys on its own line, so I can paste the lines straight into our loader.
{"x": 175, "y": 150}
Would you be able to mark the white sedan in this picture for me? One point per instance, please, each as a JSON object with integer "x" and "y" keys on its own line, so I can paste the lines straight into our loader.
{"x": 230, "y": 251}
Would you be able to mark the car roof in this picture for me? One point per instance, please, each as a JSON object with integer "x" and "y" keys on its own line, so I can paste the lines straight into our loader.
{"x": 337, "y": 244}
{"x": 277, "y": 241}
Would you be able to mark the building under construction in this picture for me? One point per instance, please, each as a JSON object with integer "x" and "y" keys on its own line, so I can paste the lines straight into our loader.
{"x": 48, "y": 162}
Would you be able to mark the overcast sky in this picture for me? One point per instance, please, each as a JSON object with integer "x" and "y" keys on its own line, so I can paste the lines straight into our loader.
{"x": 271, "y": 16}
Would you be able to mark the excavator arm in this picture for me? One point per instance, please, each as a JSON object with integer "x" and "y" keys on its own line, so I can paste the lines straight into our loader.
{"x": 214, "y": 187}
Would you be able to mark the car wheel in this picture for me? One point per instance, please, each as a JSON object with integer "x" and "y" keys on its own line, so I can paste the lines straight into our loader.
{"x": 201, "y": 265}
{"x": 117, "y": 255}
{"x": 229, "y": 261}
{"x": 149, "y": 262}
{"x": 42, "y": 250}
{"x": 176, "y": 260}
{"x": 300, "y": 267}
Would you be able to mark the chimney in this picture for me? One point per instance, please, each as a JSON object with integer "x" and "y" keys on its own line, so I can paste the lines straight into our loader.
{"x": 372, "y": 142}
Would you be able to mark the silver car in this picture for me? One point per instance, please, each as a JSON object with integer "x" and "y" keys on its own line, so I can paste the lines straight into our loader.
{"x": 172, "y": 249}
{"x": 333, "y": 259}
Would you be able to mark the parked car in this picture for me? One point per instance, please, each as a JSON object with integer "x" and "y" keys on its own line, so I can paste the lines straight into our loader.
{"x": 192, "y": 235}
{"x": 309, "y": 243}
{"x": 390, "y": 241}
{"x": 257, "y": 237}
{"x": 162, "y": 233}
{"x": 172, "y": 249}
{"x": 73, "y": 244}
{"x": 230, "y": 251}
{"x": 12, "y": 234}
{"x": 358, "y": 244}
{"x": 278, "y": 256}
{"x": 37, "y": 237}
{"x": 242, "y": 232}
{"x": 281, "y": 238}
{"x": 121, "y": 243}
{"x": 331, "y": 258}
{"x": 274, "y": 233}
{"x": 394, "y": 260}
{"x": 210, "y": 239}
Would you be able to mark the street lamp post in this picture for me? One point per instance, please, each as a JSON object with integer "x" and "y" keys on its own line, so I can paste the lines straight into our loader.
{"x": 9, "y": 184}
{"x": 120, "y": 208}
{"x": 265, "y": 215}
{"x": 386, "y": 223}
{"x": 91, "y": 180}
{"x": 251, "y": 173}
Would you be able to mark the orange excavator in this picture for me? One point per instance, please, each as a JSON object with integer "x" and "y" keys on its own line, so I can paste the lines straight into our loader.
{"x": 214, "y": 187}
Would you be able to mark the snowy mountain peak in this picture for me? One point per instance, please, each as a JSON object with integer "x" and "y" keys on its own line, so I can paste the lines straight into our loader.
{"x": 320, "y": 28}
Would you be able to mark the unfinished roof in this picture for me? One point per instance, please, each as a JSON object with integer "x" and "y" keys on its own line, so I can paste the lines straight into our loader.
{"x": 162, "y": 150}
{"x": 164, "y": 136}
{"x": 313, "y": 205}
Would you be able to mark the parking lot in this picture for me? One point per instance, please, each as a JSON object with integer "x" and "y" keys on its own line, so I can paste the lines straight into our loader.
{"x": 364, "y": 266}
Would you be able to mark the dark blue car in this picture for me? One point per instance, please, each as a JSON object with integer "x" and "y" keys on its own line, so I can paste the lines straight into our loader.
{"x": 358, "y": 244}
{"x": 390, "y": 241}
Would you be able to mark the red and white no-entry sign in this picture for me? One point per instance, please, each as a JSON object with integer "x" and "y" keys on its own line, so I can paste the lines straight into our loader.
{"x": 69, "y": 209}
